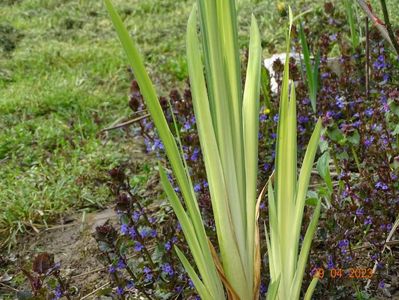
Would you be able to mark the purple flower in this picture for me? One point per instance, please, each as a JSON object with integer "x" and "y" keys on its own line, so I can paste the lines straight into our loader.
{"x": 343, "y": 243}
{"x": 157, "y": 145}
{"x": 262, "y": 118}
{"x": 266, "y": 166}
{"x": 303, "y": 119}
{"x": 148, "y": 126}
{"x": 263, "y": 289}
{"x": 333, "y": 37}
{"x": 119, "y": 291}
{"x": 111, "y": 269}
{"x": 325, "y": 75}
{"x": 132, "y": 233}
{"x": 380, "y": 265}
{"x": 153, "y": 233}
{"x": 368, "y": 221}
{"x": 130, "y": 284}
{"x": 124, "y": 229}
{"x": 138, "y": 247}
{"x": 368, "y": 141}
{"x": 381, "y": 186}
{"x": 145, "y": 232}
{"x": 148, "y": 144}
{"x": 360, "y": 211}
{"x": 381, "y": 284}
{"x": 197, "y": 187}
{"x": 380, "y": 63}
{"x": 339, "y": 101}
{"x": 191, "y": 284}
{"x": 136, "y": 215}
{"x": 58, "y": 292}
{"x": 389, "y": 227}
{"x": 187, "y": 125}
{"x": 384, "y": 108}
{"x": 275, "y": 118}
{"x": 167, "y": 269}
{"x": 121, "y": 264}
{"x": 330, "y": 262}
{"x": 168, "y": 245}
{"x": 195, "y": 154}
{"x": 178, "y": 288}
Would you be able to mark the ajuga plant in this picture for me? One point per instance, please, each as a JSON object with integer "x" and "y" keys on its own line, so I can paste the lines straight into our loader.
{"x": 227, "y": 117}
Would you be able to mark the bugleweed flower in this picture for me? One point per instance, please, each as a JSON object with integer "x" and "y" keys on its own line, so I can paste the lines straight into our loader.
{"x": 121, "y": 264}
{"x": 136, "y": 215}
{"x": 330, "y": 262}
{"x": 167, "y": 269}
{"x": 132, "y": 233}
{"x": 148, "y": 274}
{"x": 369, "y": 141}
{"x": 360, "y": 211}
{"x": 124, "y": 229}
{"x": 381, "y": 284}
{"x": 197, "y": 188}
{"x": 111, "y": 269}
{"x": 138, "y": 246}
{"x": 381, "y": 186}
{"x": 58, "y": 293}
{"x": 120, "y": 291}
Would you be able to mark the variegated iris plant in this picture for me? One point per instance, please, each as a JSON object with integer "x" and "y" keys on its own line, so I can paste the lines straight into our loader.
{"x": 227, "y": 121}
{"x": 287, "y": 201}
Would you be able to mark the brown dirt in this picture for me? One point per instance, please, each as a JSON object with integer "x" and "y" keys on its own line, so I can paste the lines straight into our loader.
{"x": 72, "y": 245}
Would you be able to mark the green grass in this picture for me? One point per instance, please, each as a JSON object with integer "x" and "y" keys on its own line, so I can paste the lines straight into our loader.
{"x": 61, "y": 82}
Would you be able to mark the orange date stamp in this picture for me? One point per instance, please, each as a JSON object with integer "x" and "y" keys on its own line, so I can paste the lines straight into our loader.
{"x": 337, "y": 273}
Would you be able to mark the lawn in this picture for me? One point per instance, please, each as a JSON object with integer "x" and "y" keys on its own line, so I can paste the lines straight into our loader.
{"x": 62, "y": 79}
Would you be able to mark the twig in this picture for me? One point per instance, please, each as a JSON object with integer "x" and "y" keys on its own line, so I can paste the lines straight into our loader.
{"x": 127, "y": 123}
{"x": 389, "y": 26}
{"x": 8, "y": 287}
{"x": 95, "y": 291}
